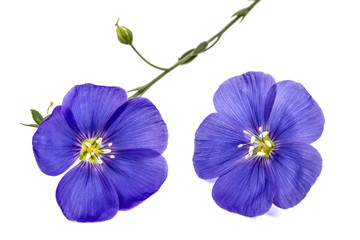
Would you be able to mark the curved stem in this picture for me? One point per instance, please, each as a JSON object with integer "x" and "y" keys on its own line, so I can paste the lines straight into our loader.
{"x": 139, "y": 91}
{"x": 154, "y": 66}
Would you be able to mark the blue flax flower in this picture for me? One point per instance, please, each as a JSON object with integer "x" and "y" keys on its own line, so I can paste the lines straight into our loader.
{"x": 257, "y": 144}
{"x": 117, "y": 143}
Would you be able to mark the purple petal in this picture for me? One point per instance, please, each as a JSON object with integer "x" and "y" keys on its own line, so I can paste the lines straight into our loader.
{"x": 242, "y": 99}
{"x": 88, "y": 107}
{"x": 85, "y": 194}
{"x": 246, "y": 189}
{"x": 295, "y": 115}
{"x": 216, "y": 146}
{"x": 137, "y": 124}
{"x": 54, "y": 144}
{"x": 296, "y": 167}
{"x": 136, "y": 175}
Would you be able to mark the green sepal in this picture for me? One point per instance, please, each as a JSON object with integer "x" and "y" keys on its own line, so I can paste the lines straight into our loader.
{"x": 200, "y": 48}
{"x": 38, "y": 118}
{"x": 185, "y": 54}
{"x": 30, "y": 125}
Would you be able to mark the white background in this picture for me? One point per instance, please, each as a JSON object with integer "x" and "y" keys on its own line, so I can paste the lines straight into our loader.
{"x": 47, "y": 47}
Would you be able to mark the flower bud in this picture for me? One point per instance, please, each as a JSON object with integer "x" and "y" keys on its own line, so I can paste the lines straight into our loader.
{"x": 124, "y": 35}
{"x": 185, "y": 55}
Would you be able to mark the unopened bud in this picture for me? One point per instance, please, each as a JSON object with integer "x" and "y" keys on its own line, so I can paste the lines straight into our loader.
{"x": 124, "y": 35}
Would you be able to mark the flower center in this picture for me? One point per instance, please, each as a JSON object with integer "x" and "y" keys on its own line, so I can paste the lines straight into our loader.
{"x": 260, "y": 145}
{"x": 92, "y": 150}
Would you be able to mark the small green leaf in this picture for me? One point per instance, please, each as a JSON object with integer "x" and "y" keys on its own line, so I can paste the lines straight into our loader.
{"x": 30, "y": 125}
{"x": 185, "y": 54}
{"x": 38, "y": 118}
{"x": 200, "y": 48}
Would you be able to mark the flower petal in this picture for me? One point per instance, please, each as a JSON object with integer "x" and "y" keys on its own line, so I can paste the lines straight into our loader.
{"x": 137, "y": 124}
{"x": 242, "y": 99}
{"x": 217, "y": 148}
{"x": 88, "y": 107}
{"x": 136, "y": 175}
{"x": 85, "y": 194}
{"x": 246, "y": 189}
{"x": 295, "y": 169}
{"x": 55, "y": 145}
{"x": 295, "y": 115}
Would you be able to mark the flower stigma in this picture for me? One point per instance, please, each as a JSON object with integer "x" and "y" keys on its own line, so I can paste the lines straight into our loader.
{"x": 92, "y": 150}
{"x": 260, "y": 145}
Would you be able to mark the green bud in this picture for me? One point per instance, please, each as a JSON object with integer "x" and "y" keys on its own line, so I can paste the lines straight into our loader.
{"x": 124, "y": 35}
{"x": 194, "y": 52}
{"x": 200, "y": 48}
{"x": 186, "y": 54}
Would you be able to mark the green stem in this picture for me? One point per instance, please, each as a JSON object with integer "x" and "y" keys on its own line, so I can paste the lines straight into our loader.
{"x": 139, "y": 91}
{"x": 160, "y": 68}
{"x": 224, "y": 29}
{"x": 238, "y": 16}
{"x": 213, "y": 43}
